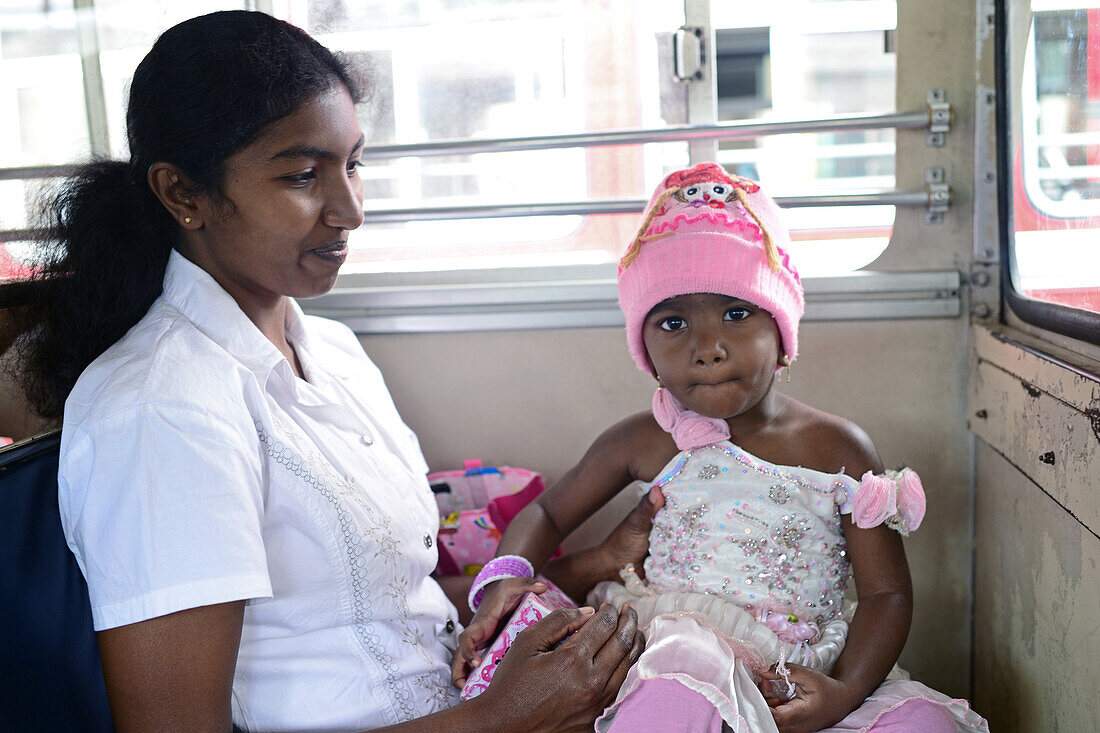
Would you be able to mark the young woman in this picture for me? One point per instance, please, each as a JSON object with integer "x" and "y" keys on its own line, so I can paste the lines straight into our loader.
{"x": 247, "y": 506}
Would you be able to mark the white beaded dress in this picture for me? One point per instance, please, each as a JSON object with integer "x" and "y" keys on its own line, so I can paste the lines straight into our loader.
{"x": 743, "y": 553}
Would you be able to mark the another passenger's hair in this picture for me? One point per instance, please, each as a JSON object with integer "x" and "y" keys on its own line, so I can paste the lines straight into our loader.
{"x": 206, "y": 89}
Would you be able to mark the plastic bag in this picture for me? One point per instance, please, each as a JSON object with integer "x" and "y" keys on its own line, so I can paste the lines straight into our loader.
{"x": 476, "y": 504}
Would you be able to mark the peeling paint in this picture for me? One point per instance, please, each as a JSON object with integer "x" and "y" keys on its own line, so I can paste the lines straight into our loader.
{"x": 1093, "y": 414}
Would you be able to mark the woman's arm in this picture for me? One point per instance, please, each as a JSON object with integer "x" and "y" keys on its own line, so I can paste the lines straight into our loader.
{"x": 175, "y": 673}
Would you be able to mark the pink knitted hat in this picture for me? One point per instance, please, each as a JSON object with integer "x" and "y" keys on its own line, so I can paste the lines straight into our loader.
{"x": 706, "y": 231}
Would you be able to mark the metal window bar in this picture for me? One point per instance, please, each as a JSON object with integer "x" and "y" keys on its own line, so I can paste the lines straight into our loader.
{"x": 740, "y": 130}
{"x": 679, "y": 133}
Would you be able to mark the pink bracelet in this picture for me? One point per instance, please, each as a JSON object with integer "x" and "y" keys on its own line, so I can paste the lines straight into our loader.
{"x": 499, "y": 568}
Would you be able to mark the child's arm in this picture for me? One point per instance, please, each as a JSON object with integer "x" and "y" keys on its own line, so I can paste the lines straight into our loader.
{"x": 881, "y": 623}
{"x": 607, "y": 466}
{"x": 629, "y": 450}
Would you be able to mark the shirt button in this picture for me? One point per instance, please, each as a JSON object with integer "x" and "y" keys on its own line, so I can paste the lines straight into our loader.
{"x": 427, "y": 540}
{"x": 449, "y": 626}
{"x": 366, "y": 439}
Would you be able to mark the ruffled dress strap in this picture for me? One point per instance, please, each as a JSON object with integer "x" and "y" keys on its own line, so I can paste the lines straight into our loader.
{"x": 895, "y": 498}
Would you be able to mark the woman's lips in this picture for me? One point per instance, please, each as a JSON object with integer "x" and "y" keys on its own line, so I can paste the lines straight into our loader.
{"x": 333, "y": 252}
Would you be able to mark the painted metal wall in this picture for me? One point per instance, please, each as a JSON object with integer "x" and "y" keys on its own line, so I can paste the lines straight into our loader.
{"x": 1037, "y": 545}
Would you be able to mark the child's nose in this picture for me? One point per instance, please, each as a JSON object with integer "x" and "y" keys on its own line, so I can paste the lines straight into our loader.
{"x": 709, "y": 350}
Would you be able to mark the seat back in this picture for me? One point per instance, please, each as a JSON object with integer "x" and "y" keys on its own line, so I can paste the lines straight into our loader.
{"x": 50, "y": 676}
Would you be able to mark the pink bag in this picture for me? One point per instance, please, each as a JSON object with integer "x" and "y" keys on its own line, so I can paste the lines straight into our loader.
{"x": 475, "y": 506}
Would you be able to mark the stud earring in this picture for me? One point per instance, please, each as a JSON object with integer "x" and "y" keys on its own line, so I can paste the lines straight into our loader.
{"x": 787, "y": 363}
{"x": 186, "y": 220}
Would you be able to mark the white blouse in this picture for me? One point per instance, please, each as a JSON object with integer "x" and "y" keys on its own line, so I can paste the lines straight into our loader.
{"x": 197, "y": 469}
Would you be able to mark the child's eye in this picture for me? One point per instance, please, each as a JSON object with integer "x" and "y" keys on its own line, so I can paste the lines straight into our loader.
{"x": 672, "y": 323}
{"x": 737, "y": 313}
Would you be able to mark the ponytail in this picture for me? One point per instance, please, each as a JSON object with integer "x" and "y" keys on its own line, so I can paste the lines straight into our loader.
{"x": 104, "y": 254}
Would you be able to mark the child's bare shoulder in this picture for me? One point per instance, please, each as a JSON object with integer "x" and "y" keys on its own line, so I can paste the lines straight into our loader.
{"x": 639, "y": 444}
{"x": 832, "y": 443}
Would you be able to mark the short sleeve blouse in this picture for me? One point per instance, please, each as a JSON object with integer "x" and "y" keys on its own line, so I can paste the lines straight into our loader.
{"x": 197, "y": 469}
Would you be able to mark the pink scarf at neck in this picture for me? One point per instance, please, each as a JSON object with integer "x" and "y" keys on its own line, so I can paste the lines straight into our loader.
{"x": 688, "y": 428}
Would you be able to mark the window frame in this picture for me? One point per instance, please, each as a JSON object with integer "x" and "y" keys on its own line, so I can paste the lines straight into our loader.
{"x": 1072, "y": 322}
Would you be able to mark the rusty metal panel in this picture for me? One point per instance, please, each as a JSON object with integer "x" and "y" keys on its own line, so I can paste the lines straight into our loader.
{"x": 1042, "y": 416}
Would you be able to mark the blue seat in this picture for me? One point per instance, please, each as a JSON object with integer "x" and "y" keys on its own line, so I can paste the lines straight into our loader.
{"x": 50, "y": 676}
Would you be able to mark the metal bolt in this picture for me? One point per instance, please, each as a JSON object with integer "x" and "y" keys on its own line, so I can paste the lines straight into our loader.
{"x": 988, "y": 178}
{"x": 979, "y": 278}
{"x": 980, "y": 310}
{"x": 990, "y": 98}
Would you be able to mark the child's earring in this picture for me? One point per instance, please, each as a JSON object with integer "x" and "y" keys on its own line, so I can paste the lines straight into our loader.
{"x": 787, "y": 363}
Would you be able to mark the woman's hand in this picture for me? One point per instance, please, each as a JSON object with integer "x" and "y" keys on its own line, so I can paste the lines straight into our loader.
{"x": 497, "y": 601}
{"x": 819, "y": 700}
{"x": 544, "y": 685}
{"x": 628, "y": 543}
{"x": 575, "y": 574}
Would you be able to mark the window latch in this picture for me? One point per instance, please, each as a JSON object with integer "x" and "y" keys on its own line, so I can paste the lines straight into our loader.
{"x": 688, "y": 53}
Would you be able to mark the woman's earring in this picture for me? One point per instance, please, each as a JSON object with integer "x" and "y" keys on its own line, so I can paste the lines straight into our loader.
{"x": 787, "y": 363}
{"x": 660, "y": 391}
{"x": 186, "y": 220}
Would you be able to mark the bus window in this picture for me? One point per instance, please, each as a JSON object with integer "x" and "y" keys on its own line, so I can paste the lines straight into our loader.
{"x": 503, "y": 69}
{"x": 1055, "y": 256}
{"x": 457, "y": 70}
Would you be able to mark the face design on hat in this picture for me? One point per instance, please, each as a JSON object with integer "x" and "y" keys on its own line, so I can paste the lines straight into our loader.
{"x": 706, "y": 193}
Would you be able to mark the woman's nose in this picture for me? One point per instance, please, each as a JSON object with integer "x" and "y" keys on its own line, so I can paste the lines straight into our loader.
{"x": 344, "y": 210}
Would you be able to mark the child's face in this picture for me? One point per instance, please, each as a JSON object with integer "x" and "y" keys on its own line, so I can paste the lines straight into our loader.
{"x": 714, "y": 353}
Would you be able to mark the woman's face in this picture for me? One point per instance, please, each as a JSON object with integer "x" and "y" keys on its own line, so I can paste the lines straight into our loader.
{"x": 293, "y": 193}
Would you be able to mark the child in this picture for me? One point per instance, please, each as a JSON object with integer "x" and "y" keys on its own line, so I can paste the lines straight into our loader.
{"x": 763, "y": 511}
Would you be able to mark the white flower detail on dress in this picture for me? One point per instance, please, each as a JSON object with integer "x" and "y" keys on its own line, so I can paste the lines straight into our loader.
{"x": 709, "y": 471}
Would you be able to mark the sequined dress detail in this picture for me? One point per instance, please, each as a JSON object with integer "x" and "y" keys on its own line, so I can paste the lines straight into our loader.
{"x": 765, "y": 537}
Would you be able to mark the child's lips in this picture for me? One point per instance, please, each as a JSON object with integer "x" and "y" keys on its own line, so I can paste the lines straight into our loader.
{"x": 716, "y": 383}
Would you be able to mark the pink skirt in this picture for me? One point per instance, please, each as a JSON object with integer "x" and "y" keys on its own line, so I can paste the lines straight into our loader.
{"x": 688, "y": 649}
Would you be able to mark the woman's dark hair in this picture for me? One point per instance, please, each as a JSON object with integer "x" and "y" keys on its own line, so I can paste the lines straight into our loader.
{"x": 206, "y": 89}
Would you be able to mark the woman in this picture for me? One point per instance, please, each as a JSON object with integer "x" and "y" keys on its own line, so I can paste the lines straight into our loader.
{"x": 248, "y": 508}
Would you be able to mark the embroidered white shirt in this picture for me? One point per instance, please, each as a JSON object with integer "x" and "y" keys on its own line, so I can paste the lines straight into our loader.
{"x": 197, "y": 469}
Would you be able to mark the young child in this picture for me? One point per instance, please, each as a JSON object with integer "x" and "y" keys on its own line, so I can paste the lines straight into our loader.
{"x": 767, "y": 502}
